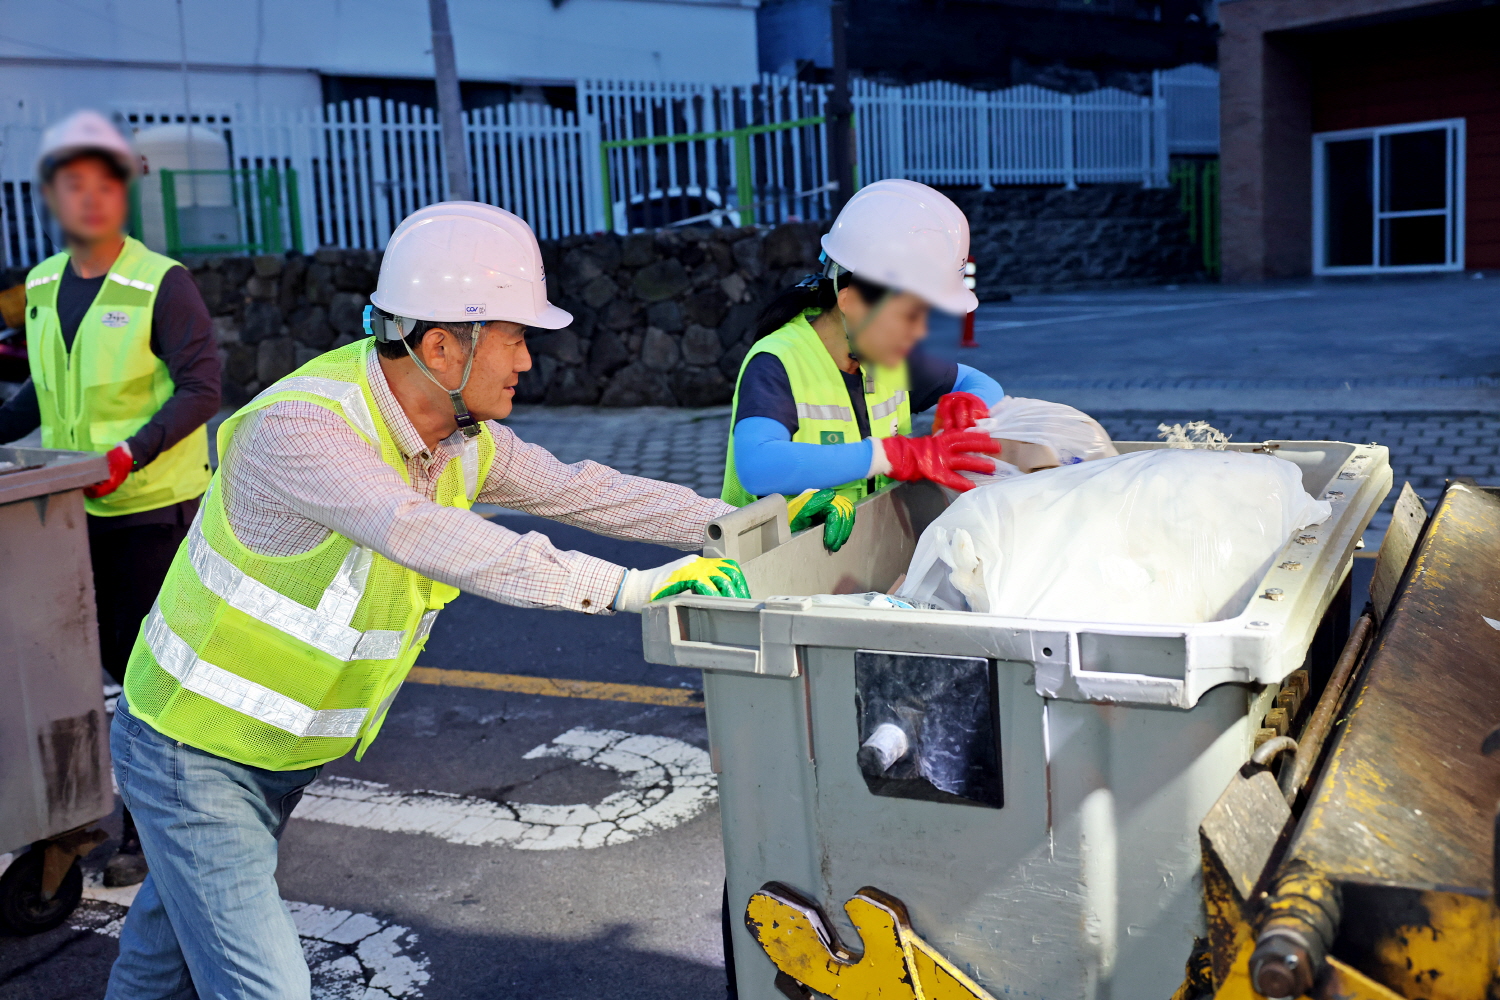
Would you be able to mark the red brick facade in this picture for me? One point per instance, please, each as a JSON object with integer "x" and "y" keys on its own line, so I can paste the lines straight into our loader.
{"x": 1295, "y": 67}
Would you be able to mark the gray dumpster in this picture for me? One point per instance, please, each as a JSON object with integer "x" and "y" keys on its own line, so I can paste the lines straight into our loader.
{"x": 1063, "y": 864}
{"x": 54, "y": 748}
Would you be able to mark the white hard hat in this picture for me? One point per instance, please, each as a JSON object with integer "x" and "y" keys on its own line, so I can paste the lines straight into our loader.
{"x": 906, "y": 236}
{"x": 465, "y": 261}
{"x": 84, "y": 132}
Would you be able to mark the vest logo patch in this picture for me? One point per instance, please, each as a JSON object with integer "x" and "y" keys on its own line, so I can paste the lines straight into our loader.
{"x": 115, "y": 319}
{"x": 830, "y": 437}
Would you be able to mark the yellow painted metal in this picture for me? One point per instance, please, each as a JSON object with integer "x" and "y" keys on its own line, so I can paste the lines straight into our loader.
{"x": 1343, "y": 982}
{"x": 558, "y": 687}
{"x": 896, "y": 963}
{"x": 1338, "y": 982}
{"x": 1236, "y": 984}
{"x": 1449, "y": 955}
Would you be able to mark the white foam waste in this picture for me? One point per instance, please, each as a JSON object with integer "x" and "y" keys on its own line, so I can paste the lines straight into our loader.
{"x": 1197, "y": 434}
{"x": 1065, "y": 436}
{"x": 1160, "y": 536}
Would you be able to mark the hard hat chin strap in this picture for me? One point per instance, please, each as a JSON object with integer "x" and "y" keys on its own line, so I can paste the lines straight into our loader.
{"x": 832, "y": 272}
{"x": 461, "y": 415}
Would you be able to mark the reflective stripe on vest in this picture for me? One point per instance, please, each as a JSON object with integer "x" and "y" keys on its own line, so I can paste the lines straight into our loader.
{"x": 272, "y": 660}
{"x": 144, "y": 286}
{"x": 347, "y": 394}
{"x": 325, "y": 628}
{"x": 886, "y": 407}
{"x": 822, "y": 398}
{"x": 813, "y": 411}
{"x": 231, "y": 690}
{"x": 352, "y": 399}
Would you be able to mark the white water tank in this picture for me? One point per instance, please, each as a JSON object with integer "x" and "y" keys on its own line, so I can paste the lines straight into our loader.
{"x": 206, "y": 215}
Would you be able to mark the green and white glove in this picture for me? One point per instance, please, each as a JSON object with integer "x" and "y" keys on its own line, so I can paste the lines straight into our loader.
{"x": 834, "y": 512}
{"x": 688, "y": 575}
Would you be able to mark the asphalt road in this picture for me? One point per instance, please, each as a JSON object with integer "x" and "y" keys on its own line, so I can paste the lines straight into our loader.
{"x": 1417, "y": 343}
{"x": 635, "y": 919}
{"x": 416, "y": 872}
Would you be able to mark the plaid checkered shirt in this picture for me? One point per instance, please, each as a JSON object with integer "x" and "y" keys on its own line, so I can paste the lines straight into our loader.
{"x": 297, "y": 472}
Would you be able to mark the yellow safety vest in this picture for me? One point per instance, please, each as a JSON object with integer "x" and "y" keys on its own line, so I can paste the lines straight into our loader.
{"x": 110, "y": 384}
{"x": 824, "y": 415}
{"x": 285, "y": 662}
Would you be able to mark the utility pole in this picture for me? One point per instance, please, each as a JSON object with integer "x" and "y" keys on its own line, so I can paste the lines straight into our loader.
{"x": 840, "y": 112}
{"x": 450, "y": 105}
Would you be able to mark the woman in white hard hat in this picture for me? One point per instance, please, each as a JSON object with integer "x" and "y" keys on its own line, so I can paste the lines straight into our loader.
{"x": 824, "y": 399}
{"x": 337, "y": 525}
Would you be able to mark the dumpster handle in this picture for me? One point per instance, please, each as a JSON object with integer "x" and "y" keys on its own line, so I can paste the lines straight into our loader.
{"x": 706, "y": 655}
{"x": 749, "y": 531}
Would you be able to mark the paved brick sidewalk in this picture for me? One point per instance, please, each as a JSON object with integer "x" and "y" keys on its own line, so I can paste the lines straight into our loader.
{"x": 687, "y": 446}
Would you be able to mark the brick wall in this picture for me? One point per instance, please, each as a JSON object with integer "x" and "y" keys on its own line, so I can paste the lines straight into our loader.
{"x": 1440, "y": 67}
{"x": 1293, "y": 67}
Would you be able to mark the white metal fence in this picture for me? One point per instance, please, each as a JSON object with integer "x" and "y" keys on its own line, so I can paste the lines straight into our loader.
{"x": 363, "y": 166}
{"x": 654, "y": 184}
{"x": 1191, "y": 94}
{"x": 943, "y": 134}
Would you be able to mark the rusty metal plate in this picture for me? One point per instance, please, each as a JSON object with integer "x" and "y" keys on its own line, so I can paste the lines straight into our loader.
{"x": 1408, "y": 799}
{"x": 1243, "y": 827}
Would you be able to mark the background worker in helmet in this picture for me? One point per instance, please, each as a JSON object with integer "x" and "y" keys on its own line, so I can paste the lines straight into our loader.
{"x": 336, "y": 527}
{"x": 825, "y": 397}
{"x": 123, "y": 361}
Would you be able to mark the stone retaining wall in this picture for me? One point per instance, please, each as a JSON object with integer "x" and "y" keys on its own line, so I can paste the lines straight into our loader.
{"x": 1101, "y": 236}
{"x": 664, "y": 318}
{"x": 660, "y": 319}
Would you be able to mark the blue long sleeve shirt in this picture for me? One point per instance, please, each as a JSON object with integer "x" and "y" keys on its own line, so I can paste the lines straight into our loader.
{"x": 766, "y": 458}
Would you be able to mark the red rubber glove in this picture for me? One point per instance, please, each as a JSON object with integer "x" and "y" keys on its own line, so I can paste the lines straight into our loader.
{"x": 939, "y": 457}
{"x": 120, "y": 464}
{"x": 957, "y": 411}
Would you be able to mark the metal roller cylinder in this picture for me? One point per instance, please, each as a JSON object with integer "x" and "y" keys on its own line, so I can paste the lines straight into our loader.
{"x": 1301, "y": 920}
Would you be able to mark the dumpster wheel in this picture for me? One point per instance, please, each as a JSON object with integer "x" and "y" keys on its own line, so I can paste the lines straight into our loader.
{"x": 22, "y": 908}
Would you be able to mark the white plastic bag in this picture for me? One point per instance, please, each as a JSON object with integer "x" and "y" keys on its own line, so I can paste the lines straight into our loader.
{"x": 1063, "y": 436}
{"x": 1160, "y": 536}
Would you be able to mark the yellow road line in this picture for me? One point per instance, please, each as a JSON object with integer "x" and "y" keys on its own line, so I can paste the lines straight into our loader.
{"x": 558, "y": 687}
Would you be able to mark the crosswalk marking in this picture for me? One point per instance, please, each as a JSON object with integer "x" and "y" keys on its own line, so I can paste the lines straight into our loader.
{"x": 350, "y": 955}
{"x": 667, "y": 782}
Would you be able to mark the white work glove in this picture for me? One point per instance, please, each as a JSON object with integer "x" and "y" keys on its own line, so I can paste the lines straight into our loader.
{"x": 690, "y": 574}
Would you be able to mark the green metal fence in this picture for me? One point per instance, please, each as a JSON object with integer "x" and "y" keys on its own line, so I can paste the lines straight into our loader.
{"x": 263, "y": 202}
{"x": 1197, "y": 183}
{"x": 694, "y": 175}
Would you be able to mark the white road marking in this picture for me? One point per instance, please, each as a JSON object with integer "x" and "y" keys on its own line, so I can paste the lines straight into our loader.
{"x": 667, "y": 782}
{"x": 352, "y": 956}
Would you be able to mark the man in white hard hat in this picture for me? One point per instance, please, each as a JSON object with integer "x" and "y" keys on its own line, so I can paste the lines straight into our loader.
{"x": 336, "y": 526}
{"x": 123, "y": 361}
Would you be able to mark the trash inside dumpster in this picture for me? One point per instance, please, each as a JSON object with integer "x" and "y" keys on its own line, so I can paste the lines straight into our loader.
{"x": 1019, "y": 796}
{"x": 1039, "y": 434}
{"x": 1153, "y": 536}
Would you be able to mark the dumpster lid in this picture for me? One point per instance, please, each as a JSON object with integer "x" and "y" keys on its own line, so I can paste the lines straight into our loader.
{"x": 34, "y": 472}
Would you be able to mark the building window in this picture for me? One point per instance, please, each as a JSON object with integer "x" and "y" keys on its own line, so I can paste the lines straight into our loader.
{"x": 1389, "y": 199}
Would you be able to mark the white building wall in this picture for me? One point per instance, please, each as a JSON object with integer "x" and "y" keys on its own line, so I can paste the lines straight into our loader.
{"x": 60, "y": 88}
{"x": 270, "y": 51}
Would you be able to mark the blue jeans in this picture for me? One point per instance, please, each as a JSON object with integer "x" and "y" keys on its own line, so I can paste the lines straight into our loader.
{"x": 208, "y": 922}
